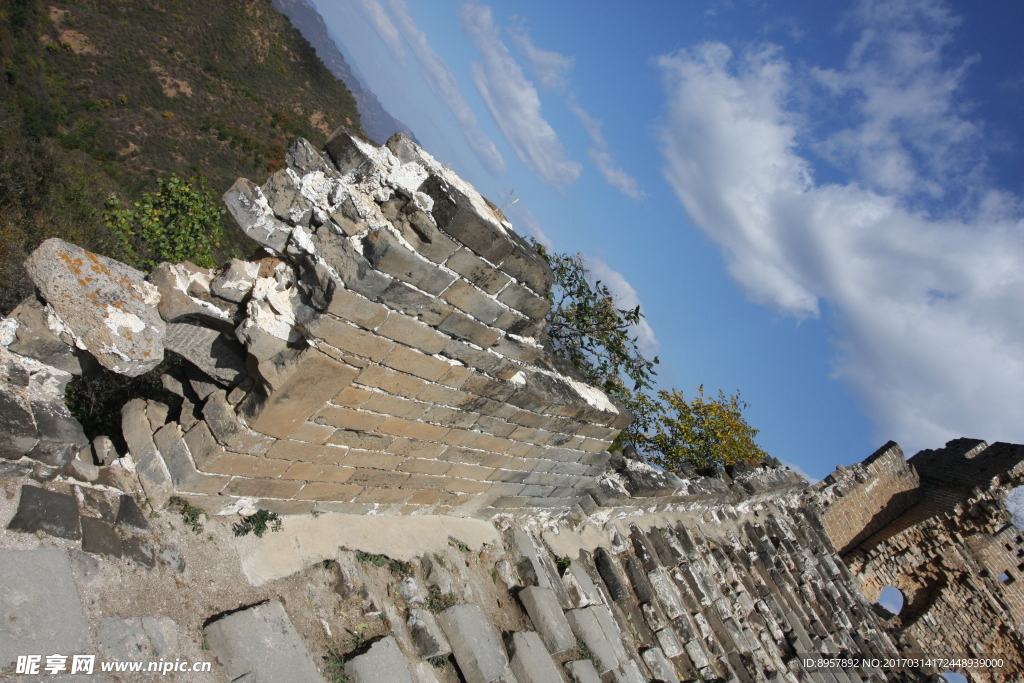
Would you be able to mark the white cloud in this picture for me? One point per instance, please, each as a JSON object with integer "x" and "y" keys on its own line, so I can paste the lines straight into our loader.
{"x": 920, "y": 264}
{"x": 601, "y": 155}
{"x": 552, "y": 69}
{"x": 514, "y": 103}
{"x": 625, "y": 298}
{"x": 381, "y": 23}
{"x": 441, "y": 81}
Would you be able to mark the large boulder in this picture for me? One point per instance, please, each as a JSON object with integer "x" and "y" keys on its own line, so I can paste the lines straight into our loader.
{"x": 108, "y": 308}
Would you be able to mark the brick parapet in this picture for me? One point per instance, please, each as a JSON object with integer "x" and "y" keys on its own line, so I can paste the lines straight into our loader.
{"x": 954, "y": 553}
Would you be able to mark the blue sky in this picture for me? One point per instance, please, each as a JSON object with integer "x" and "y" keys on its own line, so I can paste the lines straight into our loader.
{"x": 817, "y": 204}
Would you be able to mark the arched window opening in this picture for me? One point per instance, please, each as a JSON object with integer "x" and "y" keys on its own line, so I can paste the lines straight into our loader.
{"x": 891, "y": 600}
{"x": 953, "y": 677}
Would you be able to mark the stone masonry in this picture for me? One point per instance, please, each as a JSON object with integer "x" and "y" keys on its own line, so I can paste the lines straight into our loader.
{"x": 935, "y": 528}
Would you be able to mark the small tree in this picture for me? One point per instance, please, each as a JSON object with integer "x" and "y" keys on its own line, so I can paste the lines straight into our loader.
{"x": 180, "y": 221}
{"x": 586, "y": 328}
{"x": 701, "y": 432}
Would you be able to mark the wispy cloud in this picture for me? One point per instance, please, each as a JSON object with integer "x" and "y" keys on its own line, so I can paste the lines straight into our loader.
{"x": 378, "y": 18}
{"x": 441, "y": 81}
{"x": 917, "y": 255}
{"x": 601, "y": 156}
{"x": 625, "y": 298}
{"x": 514, "y": 103}
{"x": 552, "y": 69}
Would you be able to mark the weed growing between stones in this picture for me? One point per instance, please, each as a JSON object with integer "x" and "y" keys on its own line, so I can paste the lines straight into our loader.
{"x": 403, "y": 569}
{"x": 190, "y": 514}
{"x": 375, "y": 560}
{"x": 335, "y": 667}
{"x": 438, "y": 601}
{"x": 258, "y": 523}
{"x": 585, "y": 653}
{"x": 440, "y": 662}
{"x": 563, "y": 564}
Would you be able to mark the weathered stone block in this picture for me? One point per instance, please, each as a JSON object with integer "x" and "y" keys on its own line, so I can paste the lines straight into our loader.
{"x": 527, "y": 266}
{"x": 387, "y": 254}
{"x": 470, "y": 266}
{"x": 99, "y": 538}
{"x": 53, "y": 513}
{"x": 313, "y": 433}
{"x": 176, "y": 457}
{"x": 383, "y": 496}
{"x": 322, "y": 491}
{"x": 325, "y": 454}
{"x": 261, "y": 645}
{"x": 41, "y": 609}
{"x": 345, "y": 418}
{"x": 659, "y": 665}
{"x": 427, "y": 635}
{"x": 245, "y": 466}
{"x": 107, "y": 307}
{"x": 250, "y": 209}
{"x": 472, "y": 301}
{"x": 414, "y": 430}
{"x": 137, "y": 433}
{"x": 303, "y": 158}
{"x": 348, "y": 337}
{"x": 310, "y": 381}
{"x": 411, "y": 332}
{"x": 262, "y": 488}
{"x": 34, "y": 339}
{"x": 382, "y": 663}
{"x": 475, "y": 645}
{"x": 595, "y": 626}
{"x": 283, "y": 191}
{"x": 403, "y": 298}
{"x": 377, "y": 478}
{"x": 351, "y": 306}
{"x": 582, "y": 671}
{"x": 461, "y": 326}
{"x": 348, "y": 153}
{"x": 530, "y": 662}
{"x": 546, "y": 614}
{"x": 393, "y": 405}
{"x": 422, "y": 466}
{"x": 610, "y": 574}
{"x": 523, "y": 300}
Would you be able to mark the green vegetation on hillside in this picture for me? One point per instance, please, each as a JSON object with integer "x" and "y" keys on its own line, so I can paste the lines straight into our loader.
{"x": 101, "y": 97}
{"x": 586, "y": 328}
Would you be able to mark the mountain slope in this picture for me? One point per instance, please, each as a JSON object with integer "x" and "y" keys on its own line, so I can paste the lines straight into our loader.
{"x": 103, "y": 96}
{"x": 377, "y": 122}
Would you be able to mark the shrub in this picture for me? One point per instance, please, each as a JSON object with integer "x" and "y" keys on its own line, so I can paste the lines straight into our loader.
{"x": 190, "y": 514}
{"x": 180, "y": 221}
{"x": 702, "y": 432}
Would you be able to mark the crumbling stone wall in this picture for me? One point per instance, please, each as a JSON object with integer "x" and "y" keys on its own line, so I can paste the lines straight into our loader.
{"x": 869, "y": 495}
{"x": 383, "y": 351}
{"x": 953, "y": 553}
